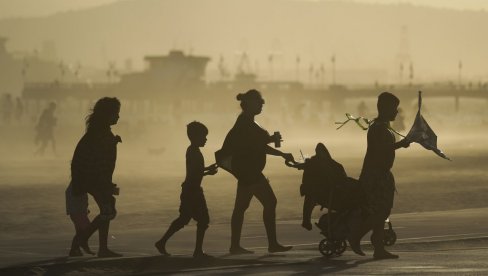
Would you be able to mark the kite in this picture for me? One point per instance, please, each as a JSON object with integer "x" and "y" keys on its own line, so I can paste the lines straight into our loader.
{"x": 422, "y": 134}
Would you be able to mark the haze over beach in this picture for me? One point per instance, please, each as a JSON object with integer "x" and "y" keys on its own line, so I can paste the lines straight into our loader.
{"x": 171, "y": 62}
{"x": 32, "y": 8}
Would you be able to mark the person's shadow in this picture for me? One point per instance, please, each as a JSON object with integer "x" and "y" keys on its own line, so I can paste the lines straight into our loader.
{"x": 324, "y": 265}
{"x": 177, "y": 264}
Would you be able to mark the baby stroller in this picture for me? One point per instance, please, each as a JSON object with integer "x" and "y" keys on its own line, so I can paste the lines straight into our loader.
{"x": 325, "y": 183}
{"x": 335, "y": 227}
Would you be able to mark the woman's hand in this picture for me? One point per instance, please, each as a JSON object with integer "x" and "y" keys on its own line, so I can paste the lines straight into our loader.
{"x": 289, "y": 157}
{"x": 212, "y": 167}
{"x": 211, "y": 172}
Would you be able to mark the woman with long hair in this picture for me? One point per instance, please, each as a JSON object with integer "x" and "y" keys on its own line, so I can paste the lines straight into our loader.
{"x": 247, "y": 142}
{"x": 92, "y": 167}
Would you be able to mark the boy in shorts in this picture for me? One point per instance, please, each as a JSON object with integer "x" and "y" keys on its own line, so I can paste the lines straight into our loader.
{"x": 193, "y": 204}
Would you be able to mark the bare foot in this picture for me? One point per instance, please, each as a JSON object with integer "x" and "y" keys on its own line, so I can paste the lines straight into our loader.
{"x": 75, "y": 252}
{"x": 307, "y": 225}
{"x": 279, "y": 248}
{"x": 162, "y": 249}
{"x": 239, "y": 251}
{"x": 107, "y": 253}
{"x": 86, "y": 248}
{"x": 201, "y": 255}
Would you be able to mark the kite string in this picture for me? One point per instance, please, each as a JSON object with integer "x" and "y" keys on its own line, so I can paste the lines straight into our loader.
{"x": 358, "y": 120}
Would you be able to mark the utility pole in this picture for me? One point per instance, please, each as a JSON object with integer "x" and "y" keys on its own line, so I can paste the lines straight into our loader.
{"x": 403, "y": 56}
{"x": 297, "y": 68}
{"x": 333, "y": 61}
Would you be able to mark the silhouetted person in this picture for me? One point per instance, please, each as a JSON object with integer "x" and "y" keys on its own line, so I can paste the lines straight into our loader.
{"x": 45, "y": 129}
{"x": 77, "y": 209}
{"x": 376, "y": 178}
{"x": 248, "y": 144}
{"x": 92, "y": 167}
{"x": 193, "y": 204}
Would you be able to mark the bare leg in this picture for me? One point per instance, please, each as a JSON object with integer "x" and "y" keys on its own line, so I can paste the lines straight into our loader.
{"x": 175, "y": 226}
{"x": 264, "y": 193}
{"x": 102, "y": 223}
{"x": 243, "y": 198}
{"x": 75, "y": 247}
{"x": 83, "y": 232}
{"x": 377, "y": 239}
{"x": 308, "y": 205}
{"x": 203, "y": 220}
{"x": 198, "y": 253}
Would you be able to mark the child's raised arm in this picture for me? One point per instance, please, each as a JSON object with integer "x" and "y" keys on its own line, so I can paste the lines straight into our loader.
{"x": 214, "y": 166}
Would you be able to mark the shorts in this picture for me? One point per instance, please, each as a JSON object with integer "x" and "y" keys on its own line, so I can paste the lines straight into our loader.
{"x": 379, "y": 190}
{"x": 193, "y": 205}
{"x": 76, "y": 204}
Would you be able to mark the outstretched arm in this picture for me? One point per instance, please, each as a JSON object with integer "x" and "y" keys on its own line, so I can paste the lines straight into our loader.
{"x": 212, "y": 167}
{"x": 210, "y": 170}
{"x": 381, "y": 139}
{"x": 275, "y": 152}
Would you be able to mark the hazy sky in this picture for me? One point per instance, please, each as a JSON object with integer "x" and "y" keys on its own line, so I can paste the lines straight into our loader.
{"x": 26, "y": 8}
{"x": 453, "y": 4}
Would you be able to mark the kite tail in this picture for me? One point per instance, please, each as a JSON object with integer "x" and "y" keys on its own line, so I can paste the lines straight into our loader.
{"x": 360, "y": 121}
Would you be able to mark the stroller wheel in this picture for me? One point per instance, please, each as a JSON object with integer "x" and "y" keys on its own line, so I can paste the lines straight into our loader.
{"x": 339, "y": 247}
{"x": 389, "y": 237}
{"x": 326, "y": 248}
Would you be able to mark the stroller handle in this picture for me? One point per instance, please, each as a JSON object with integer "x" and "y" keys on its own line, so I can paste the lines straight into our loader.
{"x": 296, "y": 165}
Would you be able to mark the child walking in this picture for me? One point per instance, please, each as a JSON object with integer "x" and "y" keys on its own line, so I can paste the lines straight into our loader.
{"x": 193, "y": 204}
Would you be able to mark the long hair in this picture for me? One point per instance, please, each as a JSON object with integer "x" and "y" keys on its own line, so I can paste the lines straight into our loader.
{"x": 102, "y": 112}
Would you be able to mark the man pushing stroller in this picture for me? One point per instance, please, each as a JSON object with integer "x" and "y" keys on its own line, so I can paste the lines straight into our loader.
{"x": 376, "y": 178}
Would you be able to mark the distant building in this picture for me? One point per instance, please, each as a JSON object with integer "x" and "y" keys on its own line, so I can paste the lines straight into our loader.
{"x": 165, "y": 76}
{"x": 175, "y": 72}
